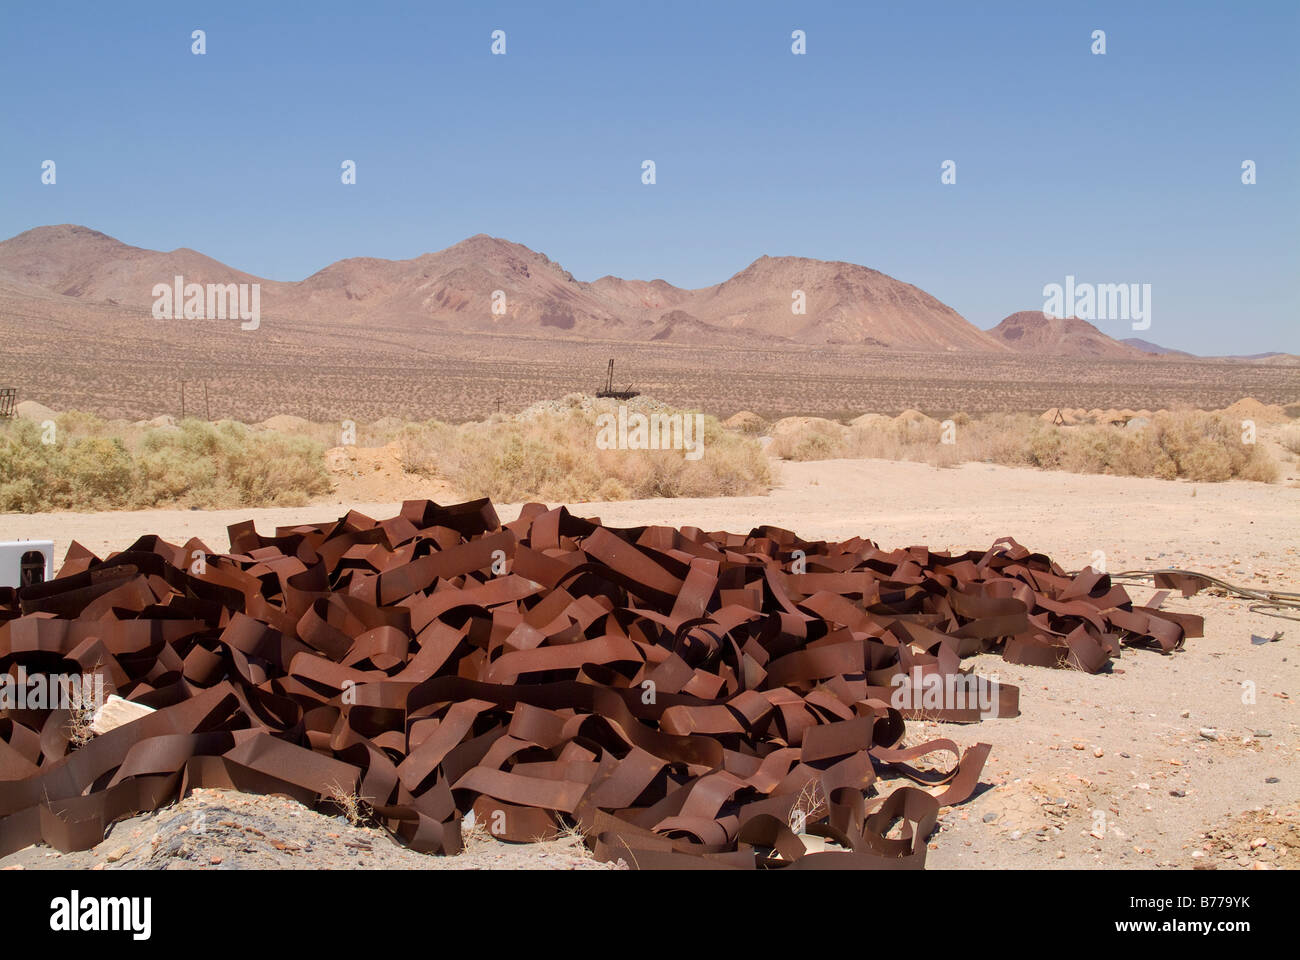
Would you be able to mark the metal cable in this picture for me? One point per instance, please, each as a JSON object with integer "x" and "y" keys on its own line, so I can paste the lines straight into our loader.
{"x": 1266, "y": 601}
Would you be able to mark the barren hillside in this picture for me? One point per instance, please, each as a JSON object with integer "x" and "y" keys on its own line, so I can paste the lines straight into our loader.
{"x": 1032, "y": 331}
{"x": 455, "y": 290}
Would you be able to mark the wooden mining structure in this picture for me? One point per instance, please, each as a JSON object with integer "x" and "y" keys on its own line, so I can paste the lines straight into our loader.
{"x": 609, "y": 390}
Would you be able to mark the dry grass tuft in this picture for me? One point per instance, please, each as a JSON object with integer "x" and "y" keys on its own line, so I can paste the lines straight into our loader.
{"x": 809, "y": 807}
{"x": 569, "y": 836}
{"x": 475, "y": 834}
{"x": 81, "y": 722}
{"x": 1189, "y": 444}
{"x": 351, "y": 804}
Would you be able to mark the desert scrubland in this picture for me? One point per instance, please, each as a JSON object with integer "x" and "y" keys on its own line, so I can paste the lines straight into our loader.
{"x": 550, "y": 451}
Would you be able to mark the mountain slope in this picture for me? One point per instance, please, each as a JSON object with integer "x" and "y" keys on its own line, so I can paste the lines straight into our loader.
{"x": 456, "y": 289}
{"x": 88, "y": 265}
{"x": 844, "y": 302}
{"x": 1146, "y": 346}
{"x": 1031, "y": 331}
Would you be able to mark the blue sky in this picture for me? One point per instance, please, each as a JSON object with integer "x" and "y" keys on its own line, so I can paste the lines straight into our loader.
{"x": 1123, "y": 168}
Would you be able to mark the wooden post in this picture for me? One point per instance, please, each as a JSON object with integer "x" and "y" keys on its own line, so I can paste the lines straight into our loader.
{"x": 207, "y": 411}
{"x": 182, "y": 399}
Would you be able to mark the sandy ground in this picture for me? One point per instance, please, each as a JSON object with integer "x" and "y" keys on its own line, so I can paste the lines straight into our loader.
{"x": 1185, "y": 760}
{"x": 1238, "y": 528}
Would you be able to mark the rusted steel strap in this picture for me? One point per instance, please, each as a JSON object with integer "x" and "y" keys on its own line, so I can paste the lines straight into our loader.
{"x": 684, "y": 698}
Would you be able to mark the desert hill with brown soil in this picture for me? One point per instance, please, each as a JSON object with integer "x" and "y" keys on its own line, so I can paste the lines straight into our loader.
{"x": 455, "y": 289}
{"x": 1034, "y": 332}
{"x": 84, "y": 264}
{"x": 1146, "y": 346}
{"x": 845, "y": 303}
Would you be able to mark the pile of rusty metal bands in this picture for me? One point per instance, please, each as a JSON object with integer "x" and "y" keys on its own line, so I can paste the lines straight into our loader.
{"x": 683, "y": 698}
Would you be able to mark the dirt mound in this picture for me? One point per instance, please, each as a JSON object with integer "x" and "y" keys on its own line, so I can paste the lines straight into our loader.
{"x": 915, "y": 418}
{"x": 745, "y": 421}
{"x": 1256, "y": 840}
{"x": 285, "y": 423}
{"x": 788, "y": 425}
{"x": 31, "y": 410}
{"x": 1248, "y": 408}
{"x": 868, "y": 420}
{"x": 376, "y": 475}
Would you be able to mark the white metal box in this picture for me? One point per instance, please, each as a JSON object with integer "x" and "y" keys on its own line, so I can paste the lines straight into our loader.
{"x": 24, "y": 562}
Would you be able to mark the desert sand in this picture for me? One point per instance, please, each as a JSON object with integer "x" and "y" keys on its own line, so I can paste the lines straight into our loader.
{"x": 1219, "y": 528}
{"x": 1108, "y": 770}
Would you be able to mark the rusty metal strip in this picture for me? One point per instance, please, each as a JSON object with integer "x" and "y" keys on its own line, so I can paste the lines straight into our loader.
{"x": 685, "y": 698}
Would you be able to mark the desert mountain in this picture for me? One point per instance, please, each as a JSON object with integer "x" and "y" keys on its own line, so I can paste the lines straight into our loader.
{"x": 85, "y": 264}
{"x": 1031, "y": 331}
{"x": 846, "y": 303}
{"x": 1273, "y": 358}
{"x": 1146, "y": 346}
{"x": 454, "y": 289}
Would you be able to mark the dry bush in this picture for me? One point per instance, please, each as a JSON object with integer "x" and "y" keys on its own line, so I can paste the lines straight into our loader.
{"x": 81, "y": 722}
{"x": 552, "y": 456}
{"x": 97, "y": 465}
{"x": 474, "y": 832}
{"x": 330, "y": 433}
{"x": 215, "y": 466}
{"x": 353, "y": 807}
{"x": 1205, "y": 446}
{"x": 819, "y": 440}
{"x": 809, "y": 807}
{"x": 1289, "y": 437}
{"x": 1188, "y": 444}
{"x": 881, "y": 439}
{"x": 88, "y": 472}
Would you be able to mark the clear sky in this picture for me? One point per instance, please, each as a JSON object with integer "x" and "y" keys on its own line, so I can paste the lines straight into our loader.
{"x": 1122, "y": 168}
